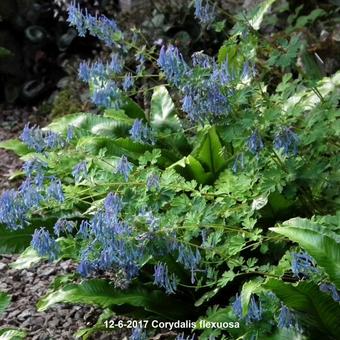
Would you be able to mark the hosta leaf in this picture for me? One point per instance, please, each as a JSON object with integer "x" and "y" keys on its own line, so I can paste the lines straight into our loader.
{"x": 16, "y": 146}
{"x": 162, "y": 109}
{"x": 132, "y": 109}
{"x": 103, "y": 294}
{"x": 324, "y": 249}
{"x": 5, "y": 300}
{"x": 94, "y": 124}
{"x": 249, "y": 288}
{"x": 12, "y": 334}
{"x": 209, "y": 152}
{"x": 26, "y": 259}
{"x": 318, "y": 311}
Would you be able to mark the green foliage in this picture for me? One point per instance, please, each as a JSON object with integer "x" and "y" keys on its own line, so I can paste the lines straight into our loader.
{"x": 11, "y": 334}
{"x": 5, "y": 300}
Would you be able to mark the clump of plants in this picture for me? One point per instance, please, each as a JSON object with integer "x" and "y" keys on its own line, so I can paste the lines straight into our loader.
{"x": 220, "y": 207}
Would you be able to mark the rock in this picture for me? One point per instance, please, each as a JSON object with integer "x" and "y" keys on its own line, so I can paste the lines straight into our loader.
{"x": 2, "y": 266}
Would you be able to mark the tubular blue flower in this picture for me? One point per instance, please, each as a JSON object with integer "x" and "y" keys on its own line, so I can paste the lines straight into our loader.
{"x": 101, "y": 27}
{"x": 44, "y": 244}
{"x": 141, "y": 63}
{"x": 138, "y": 334}
{"x": 69, "y": 133}
{"x": 238, "y": 163}
{"x": 330, "y": 288}
{"x": 128, "y": 82}
{"x": 124, "y": 167}
{"x": 113, "y": 205}
{"x": 84, "y": 72}
{"x": 304, "y": 264}
{"x": 152, "y": 181}
{"x": 150, "y": 219}
{"x": 85, "y": 268}
{"x": 172, "y": 64}
{"x": 107, "y": 95}
{"x": 224, "y": 74}
{"x": 254, "y": 311}
{"x": 202, "y": 60}
{"x": 205, "y": 13}
{"x": 76, "y": 18}
{"x": 162, "y": 279}
{"x": 141, "y": 133}
{"x": 79, "y": 171}
{"x": 255, "y": 143}
{"x": 53, "y": 140}
{"x": 13, "y": 211}
{"x": 116, "y": 64}
{"x": 63, "y": 226}
{"x": 33, "y": 137}
{"x": 287, "y": 140}
{"x": 237, "y": 306}
{"x": 84, "y": 229}
{"x": 189, "y": 259}
{"x": 55, "y": 190}
{"x": 30, "y": 195}
{"x": 286, "y": 319}
{"x": 34, "y": 167}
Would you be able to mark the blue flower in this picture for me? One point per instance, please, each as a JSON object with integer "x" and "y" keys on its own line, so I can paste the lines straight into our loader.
{"x": 63, "y": 226}
{"x": 239, "y": 162}
{"x": 152, "y": 181}
{"x": 127, "y": 82}
{"x": 53, "y": 140}
{"x": 33, "y": 137}
{"x": 35, "y": 167}
{"x": 330, "y": 288}
{"x": 84, "y": 72}
{"x": 76, "y": 18}
{"x": 30, "y": 194}
{"x": 13, "y": 211}
{"x": 55, "y": 190}
{"x": 141, "y": 133}
{"x": 69, "y": 133}
{"x": 189, "y": 259}
{"x": 79, "y": 171}
{"x": 116, "y": 64}
{"x": 286, "y": 319}
{"x": 254, "y": 309}
{"x": 44, "y": 244}
{"x": 107, "y": 95}
{"x": 150, "y": 219}
{"x": 101, "y": 27}
{"x": 162, "y": 279}
{"x": 85, "y": 268}
{"x": 124, "y": 167}
{"x": 113, "y": 205}
{"x": 205, "y": 14}
{"x": 172, "y": 64}
{"x": 84, "y": 229}
{"x": 303, "y": 264}
{"x": 138, "y": 334}
{"x": 287, "y": 140}
{"x": 183, "y": 337}
{"x": 202, "y": 60}
{"x": 255, "y": 143}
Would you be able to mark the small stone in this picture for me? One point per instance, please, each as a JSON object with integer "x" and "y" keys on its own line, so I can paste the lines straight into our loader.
{"x": 2, "y": 265}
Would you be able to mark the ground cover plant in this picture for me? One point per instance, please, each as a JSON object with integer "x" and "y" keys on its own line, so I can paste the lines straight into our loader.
{"x": 220, "y": 196}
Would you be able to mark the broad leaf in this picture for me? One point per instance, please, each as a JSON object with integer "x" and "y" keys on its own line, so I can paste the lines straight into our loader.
{"x": 101, "y": 293}
{"x": 318, "y": 311}
{"x": 26, "y": 259}
{"x": 16, "y": 146}
{"x": 5, "y": 300}
{"x": 324, "y": 249}
{"x": 12, "y": 334}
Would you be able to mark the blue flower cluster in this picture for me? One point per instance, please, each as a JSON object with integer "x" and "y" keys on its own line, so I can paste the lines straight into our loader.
{"x": 287, "y": 318}
{"x": 303, "y": 264}
{"x": 287, "y": 140}
{"x": 254, "y": 309}
{"x": 162, "y": 278}
{"x": 101, "y": 27}
{"x": 138, "y": 334}
{"x": 204, "y": 95}
{"x": 182, "y": 336}
{"x": 141, "y": 133}
{"x": 255, "y": 143}
{"x": 205, "y": 13}
{"x": 152, "y": 181}
{"x": 124, "y": 167}
{"x": 40, "y": 140}
{"x": 330, "y": 288}
{"x": 44, "y": 244}
{"x": 79, "y": 171}
{"x": 63, "y": 226}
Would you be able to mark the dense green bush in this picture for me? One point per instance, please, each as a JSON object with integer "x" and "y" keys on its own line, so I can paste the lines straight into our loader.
{"x": 221, "y": 210}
